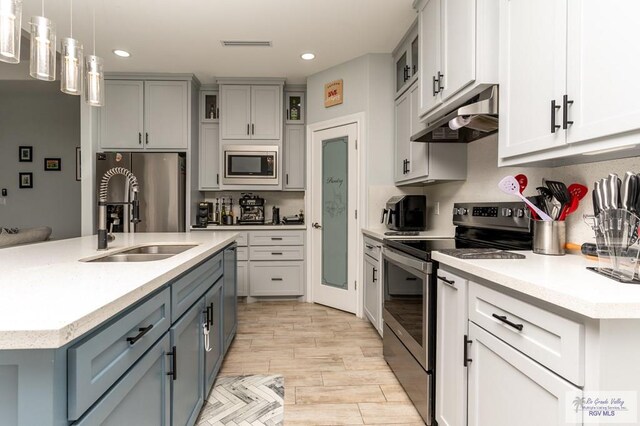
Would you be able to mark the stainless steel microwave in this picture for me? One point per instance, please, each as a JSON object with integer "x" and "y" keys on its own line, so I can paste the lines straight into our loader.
{"x": 250, "y": 165}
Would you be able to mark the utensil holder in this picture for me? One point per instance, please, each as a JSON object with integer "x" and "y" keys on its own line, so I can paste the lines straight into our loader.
{"x": 549, "y": 237}
{"x": 617, "y": 242}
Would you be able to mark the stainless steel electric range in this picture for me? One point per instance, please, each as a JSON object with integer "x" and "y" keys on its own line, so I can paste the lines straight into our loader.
{"x": 483, "y": 230}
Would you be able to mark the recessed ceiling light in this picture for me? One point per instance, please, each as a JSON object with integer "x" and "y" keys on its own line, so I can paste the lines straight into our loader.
{"x": 121, "y": 53}
{"x": 307, "y": 56}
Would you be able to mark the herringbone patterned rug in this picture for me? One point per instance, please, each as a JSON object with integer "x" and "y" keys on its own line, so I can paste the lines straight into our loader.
{"x": 244, "y": 401}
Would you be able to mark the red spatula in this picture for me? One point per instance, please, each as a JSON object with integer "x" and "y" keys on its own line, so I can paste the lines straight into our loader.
{"x": 522, "y": 181}
{"x": 578, "y": 192}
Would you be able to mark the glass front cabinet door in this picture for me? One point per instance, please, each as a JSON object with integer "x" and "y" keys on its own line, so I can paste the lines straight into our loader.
{"x": 209, "y": 106}
{"x": 294, "y": 104}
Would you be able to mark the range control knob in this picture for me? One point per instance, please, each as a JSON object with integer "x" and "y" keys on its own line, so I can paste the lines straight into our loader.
{"x": 507, "y": 212}
{"x": 520, "y": 213}
{"x": 456, "y": 211}
{"x": 463, "y": 211}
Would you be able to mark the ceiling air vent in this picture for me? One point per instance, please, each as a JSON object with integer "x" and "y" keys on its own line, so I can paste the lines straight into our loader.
{"x": 241, "y": 43}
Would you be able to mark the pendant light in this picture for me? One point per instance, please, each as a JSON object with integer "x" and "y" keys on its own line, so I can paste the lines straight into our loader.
{"x": 43, "y": 48}
{"x": 72, "y": 63}
{"x": 93, "y": 74}
{"x": 10, "y": 23}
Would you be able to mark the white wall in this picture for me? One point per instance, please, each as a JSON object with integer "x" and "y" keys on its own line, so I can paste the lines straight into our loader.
{"x": 37, "y": 114}
{"x": 484, "y": 175}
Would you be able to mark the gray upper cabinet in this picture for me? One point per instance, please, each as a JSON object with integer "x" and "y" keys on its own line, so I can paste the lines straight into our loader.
{"x": 251, "y": 112}
{"x": 145, "y": 115}
{"x": 294, "y": 157}
{"x": 209, "y": 156}
{"x": 122, "y": 116}
{"x": 406, "y": 60}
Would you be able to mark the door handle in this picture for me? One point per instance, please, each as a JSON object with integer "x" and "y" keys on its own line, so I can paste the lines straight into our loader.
{"x": 433, "y": 86}
{"x": 565, "y": 112}
{"x": 406, "y": 72}
{"x": 248, "y": 128}
{"x": 287, "y": 178}
{"x": 408, "y": 168}
{"x": 440, "y": 84}
{"x": 174, "y": 363}
{"x": 141, "y": 332}
{"x": 554, "y": 107}
{"x": 504, "y": 319}
{"x": 253, "y": 129}
{"x": 140, "y": 138}
{"x": 465, "y": 356}
{"x": 374, "y": 275}
{"x": 316, "y": 225}
{"x": 146, "y": 136}
{"x": 288, "y": 116}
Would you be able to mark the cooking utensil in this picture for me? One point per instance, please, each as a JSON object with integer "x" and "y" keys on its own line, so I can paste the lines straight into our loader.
{"x": 595, "y": 194}
{"x": 522, "y": 181}
{"x": 625, "y": 194}
{"x": 604, "y": 191}
{"x": 614, "y": 188}
{"x": 509, "y": 185}
{"x": 578, "y": 190}
{"x": 634, "y": 187}
{"x": 547, "y": 196}
{"x": 560, "y": 193}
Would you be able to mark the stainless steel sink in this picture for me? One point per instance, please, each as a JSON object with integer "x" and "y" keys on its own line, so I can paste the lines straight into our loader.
{"x": 146, "y": 253}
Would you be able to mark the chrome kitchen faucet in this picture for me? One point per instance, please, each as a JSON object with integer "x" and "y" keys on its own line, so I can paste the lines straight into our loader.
{"x": 103, "y": 237}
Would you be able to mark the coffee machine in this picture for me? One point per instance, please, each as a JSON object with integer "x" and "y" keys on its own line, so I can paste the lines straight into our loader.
{"x": 251, "y": 210}
{"x": 205, "y": 214}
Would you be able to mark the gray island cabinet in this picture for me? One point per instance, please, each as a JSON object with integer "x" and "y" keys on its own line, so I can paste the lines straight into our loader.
{"x": 150, "y": 364}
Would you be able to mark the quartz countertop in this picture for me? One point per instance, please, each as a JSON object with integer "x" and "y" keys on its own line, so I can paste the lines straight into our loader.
{"x": 251, "y": 227}
{"x": 378, "y": 234}
{"x": 49, "y": 297}
{"x": 563, "y": 281}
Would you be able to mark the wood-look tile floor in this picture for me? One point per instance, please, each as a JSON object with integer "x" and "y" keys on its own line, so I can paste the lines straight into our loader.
{"x": 332, "y": 364}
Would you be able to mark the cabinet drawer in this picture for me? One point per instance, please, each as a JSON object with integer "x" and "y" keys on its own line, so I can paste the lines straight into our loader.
{"x": 243, "y": 253}
{"x": 277, "y": 253}
{"x": 190, "y": 287}
{"x": 243, "y": 239}
{"x": 279, "y": 238}
{"x": 372, "y": 248}
{"x": 276, "y": 278}
{"x": 550, "y": 339}
{"x": 96, "y": 363}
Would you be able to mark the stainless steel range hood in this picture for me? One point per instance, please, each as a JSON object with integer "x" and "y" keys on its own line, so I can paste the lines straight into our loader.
{"x": 474, "y": 120}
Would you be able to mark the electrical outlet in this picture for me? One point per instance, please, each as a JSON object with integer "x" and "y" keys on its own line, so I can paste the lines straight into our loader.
{"x": 436, "y": 208}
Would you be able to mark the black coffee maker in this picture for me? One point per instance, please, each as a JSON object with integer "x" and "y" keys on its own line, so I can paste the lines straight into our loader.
{"x": 204, "y": 214}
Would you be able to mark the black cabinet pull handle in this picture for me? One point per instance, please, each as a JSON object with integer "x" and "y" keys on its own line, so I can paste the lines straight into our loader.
{"x": 450, "y": 282}
{"x": 405, "y": 72}
{"x": 504, "y": 319}
{"x": 433, "y": 86}
{"x": 465, "y": 356}
{"x": 174, "y": 363}
{"x": 217, "y": 178}
{"x": 554, "y": 107}
{"x": 142, "y": 331}
{"x": 217, "y": 112}
{"x": 412, "y": 279}
{"x": 408, "y": 168}
{"x": 374, "y": 275}
{"x": 276, "y": 279}
{"x": 276, "y": 238}
{"x": 253, "y": 129}
{"x": 565, "y": 112}
{"x": 287, "y": 177}
{"x": 146, "y": 138}
{"x": 276, "y": 253}
{"x": 288, "y": 115}
{"x": 210, "y": 309}
{"x": 369, "y": 246}
{"x": 248, "y": 128}
{"x": 140, "y": 138}
{"x": 440, "y": 85}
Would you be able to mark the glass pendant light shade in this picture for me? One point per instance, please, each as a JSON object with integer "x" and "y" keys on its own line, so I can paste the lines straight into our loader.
{"x": 43, "y": 49}
{"x": 72, "y": 64}
{"x": 94, "y": 81}
{"x": 10, "y": 19}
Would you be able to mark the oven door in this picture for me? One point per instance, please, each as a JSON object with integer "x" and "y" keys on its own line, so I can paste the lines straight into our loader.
{"x": 407, "y": 298}
{"x": 250, "y": 165}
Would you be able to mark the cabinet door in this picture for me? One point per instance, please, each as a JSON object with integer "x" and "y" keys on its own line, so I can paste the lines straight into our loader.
{"x": 145, "y": 385}
{"x": 122, "y": 116}
{"x": 235, "y": 114}
{"x": 372, "y": 302}
{"x": 294, "y": 157}
{"x": 451, "y": 385}
{"x": 458, "y": 45}
{"x": 187, "y": 389}
{"x": 532, "y": 74}
{"x": 402, "y": 142}
{"x": 243, "y": 279}
{"x": 213, "y": 354}
{"x": 230, "y": 293}
{"x": 430, "y": 57}
{"x": 419, "y": 151}
{"x": 209, "y": 156}
{"x": 402, "y": 70}
{"x": 166, "y": 114}
{"x": 604, "y": 95}
{"x": 294, "y": 108}
{"x": 209, "y": 106}
{"x": 507, "y": 388}
{"x": 266, "y": 107}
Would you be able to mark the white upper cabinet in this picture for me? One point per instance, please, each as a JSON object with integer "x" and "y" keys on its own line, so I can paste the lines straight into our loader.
{"x": 122, "y": 116}
{"x": 266, "y": 121}
{"x": 603, "y": 69}
{"x": 406, "y": 58}
{"x": 251, "y": 111}
{"x": 532, "y": 75}
{"x": 402, "y": 142}
{"x": 145, "y": 115}
{"x": 577, "y": 55}
{"x": 209, "y": 156}
{"x": 236, "y": 112}
{"x": 458, "y": 52}
{"x": 166, "y": 112}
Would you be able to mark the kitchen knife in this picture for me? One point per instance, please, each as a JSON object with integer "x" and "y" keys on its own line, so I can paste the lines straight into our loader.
{"x": 614, "y": 188}
{"x": 604, "y": 190}
{"x": 596, "y": 198}
{"x": 634, "y": 183}
{"x": 625, "y": 194}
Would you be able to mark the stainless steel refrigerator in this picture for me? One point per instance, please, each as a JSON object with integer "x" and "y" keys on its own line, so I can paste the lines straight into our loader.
{"x": 161, "y": 179}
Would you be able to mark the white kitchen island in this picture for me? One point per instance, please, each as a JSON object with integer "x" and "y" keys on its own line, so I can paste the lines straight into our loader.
{"x": 115, "y": 342}
{"x": 535, "y": 342}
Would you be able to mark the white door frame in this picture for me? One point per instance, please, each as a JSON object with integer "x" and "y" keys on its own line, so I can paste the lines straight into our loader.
{"x": 361, "y": 200}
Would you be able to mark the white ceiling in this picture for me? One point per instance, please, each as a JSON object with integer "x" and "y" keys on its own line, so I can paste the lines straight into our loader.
{"x": 183, "y": 36}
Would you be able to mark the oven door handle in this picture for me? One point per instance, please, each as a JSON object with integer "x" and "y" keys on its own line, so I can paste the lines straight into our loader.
{"x": 406, "y": 261}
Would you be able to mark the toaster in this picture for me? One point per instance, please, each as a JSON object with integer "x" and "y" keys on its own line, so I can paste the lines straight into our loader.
{"x": 406, "y": 213}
